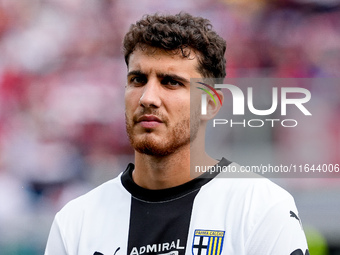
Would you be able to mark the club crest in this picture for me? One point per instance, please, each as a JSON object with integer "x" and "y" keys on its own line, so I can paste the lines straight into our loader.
{"x": 207, "y": 242}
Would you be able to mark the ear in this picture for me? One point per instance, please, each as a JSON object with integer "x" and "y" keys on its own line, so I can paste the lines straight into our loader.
{"x": 213, "y": 106}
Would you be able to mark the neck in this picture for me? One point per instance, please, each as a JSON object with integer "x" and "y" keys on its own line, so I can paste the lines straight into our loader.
{"x": 152, "y": 172}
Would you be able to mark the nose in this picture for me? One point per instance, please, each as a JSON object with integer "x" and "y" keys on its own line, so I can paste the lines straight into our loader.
{"x": 151, "y": 95}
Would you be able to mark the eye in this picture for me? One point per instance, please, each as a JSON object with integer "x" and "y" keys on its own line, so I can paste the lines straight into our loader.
{"x": 137, "y": 80}
{"x": 171, "y": 82}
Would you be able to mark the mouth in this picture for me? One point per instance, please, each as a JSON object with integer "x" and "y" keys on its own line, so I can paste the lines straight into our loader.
{"x": 149, "y": 121}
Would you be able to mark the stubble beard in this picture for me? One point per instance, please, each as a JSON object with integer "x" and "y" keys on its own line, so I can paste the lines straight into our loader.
{"x": 176, "y": 138}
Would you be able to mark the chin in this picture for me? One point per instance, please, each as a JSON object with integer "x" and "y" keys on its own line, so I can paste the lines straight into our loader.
{"x": 160, "y": 147}
{"x": 161, "y": 144}
{"x": 152, "y": 151}
{"x": 151, "y": 147}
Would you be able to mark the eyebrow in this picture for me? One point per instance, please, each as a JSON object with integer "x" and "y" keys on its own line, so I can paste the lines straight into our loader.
{"x": 160, "y": 75}
{"x": 136, "y": 72}
{"x": 174, "y": 77}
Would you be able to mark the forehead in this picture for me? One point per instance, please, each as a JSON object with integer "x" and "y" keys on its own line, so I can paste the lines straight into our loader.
{"x": 152, "y": 59}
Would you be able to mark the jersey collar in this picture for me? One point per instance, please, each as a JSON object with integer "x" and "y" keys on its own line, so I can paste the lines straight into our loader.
{"x": 169, "y": 194}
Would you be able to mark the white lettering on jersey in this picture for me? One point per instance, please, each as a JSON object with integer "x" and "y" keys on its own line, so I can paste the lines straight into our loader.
{"x": 161, "y": 247}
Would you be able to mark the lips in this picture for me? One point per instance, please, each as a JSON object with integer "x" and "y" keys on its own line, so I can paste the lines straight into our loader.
{"x": 149, "y": 118}
{"x": 149, "y": 121}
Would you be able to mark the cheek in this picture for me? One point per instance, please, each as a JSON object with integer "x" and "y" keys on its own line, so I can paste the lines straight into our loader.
{"x": 131, "y": 100}
{"x": 183, "y": 110}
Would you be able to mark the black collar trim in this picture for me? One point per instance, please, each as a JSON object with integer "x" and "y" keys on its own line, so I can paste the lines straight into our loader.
{"x": 170, "y": 193}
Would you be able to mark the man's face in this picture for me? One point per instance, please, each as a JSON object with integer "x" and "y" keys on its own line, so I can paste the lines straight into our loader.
{"x": 157, "y": 101}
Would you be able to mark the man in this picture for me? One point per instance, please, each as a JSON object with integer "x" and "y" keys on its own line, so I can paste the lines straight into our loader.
{"x": 156, "y": 206}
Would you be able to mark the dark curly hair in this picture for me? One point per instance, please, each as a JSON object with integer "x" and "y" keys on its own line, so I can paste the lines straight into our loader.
{"x": 180, "y": 33}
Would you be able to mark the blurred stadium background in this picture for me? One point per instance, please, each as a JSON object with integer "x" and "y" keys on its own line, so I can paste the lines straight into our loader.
{"x": 62, "y": 76}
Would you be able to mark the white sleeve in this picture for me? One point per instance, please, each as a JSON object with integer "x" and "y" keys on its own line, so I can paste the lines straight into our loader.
{"x": 279, "y": 232}
{"x": 55, "y": 244}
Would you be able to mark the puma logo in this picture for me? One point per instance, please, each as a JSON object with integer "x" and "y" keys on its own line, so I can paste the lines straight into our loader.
{"x": 99, "y": 253}
{"x": 299, "y": 252}
{"x": 292, "y": 214}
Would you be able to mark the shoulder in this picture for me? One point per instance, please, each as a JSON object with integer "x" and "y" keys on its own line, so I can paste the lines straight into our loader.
{"x": 249, "y": 192}
{"x": 94, "y": 199}
{"x": 242, "y": 183}
{"x": 259, "y": 211}
{"x": 80, "y": 216}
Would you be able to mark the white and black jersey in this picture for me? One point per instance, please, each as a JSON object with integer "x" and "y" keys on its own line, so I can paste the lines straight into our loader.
{"x": 206, "y": 216}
